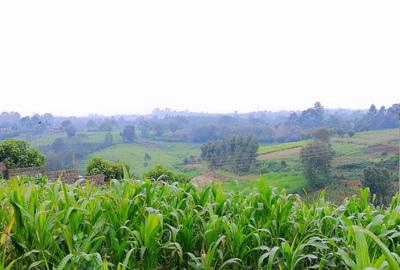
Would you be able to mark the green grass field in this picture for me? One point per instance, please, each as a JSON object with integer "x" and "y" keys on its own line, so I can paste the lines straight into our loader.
{"x": 356, "y": 150}
{"x": 81, "y": 137}
{"x": 166, "y": 154}
{"x": 265, "y": 149}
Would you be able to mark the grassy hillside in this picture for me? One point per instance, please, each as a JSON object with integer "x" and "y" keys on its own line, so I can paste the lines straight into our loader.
{"x": 352, "y": 156}
{"x": 265, "y": 149}
{"x": 81, "y": 137}
{"x": 166, "y": 154}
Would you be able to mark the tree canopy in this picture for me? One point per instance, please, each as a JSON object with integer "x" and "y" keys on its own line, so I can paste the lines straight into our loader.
{"x": 19, "y": 154}
{"x": 316, "y": 158}
{"x": 128, "y": 134}
{"x": 237, "y": 153}
{"x": 378, "y": 181}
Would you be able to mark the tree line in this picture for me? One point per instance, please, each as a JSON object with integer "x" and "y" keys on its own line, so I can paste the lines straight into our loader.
{"x": 267, "y": 127}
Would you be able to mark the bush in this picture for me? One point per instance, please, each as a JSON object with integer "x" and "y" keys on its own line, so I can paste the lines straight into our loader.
{"x": 110, "y": 170}
{"x": 159, "y": 173}
{"x": 19, "y": 154}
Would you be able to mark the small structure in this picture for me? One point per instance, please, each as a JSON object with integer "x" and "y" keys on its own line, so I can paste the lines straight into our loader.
{"x": 69, "y": 176}
{"x": 29, "y": 171}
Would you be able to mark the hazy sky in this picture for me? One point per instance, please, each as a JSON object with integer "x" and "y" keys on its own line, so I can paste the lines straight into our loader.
{"x": 113, "y": 57}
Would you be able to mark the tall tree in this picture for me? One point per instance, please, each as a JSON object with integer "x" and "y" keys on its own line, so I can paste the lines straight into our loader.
{"x": 378, "y": 181}
{"x": 316, "y": 158}
{"x": 68, "y": 128}
{"x": 128, "y": 134}
{"x": 108, "y": 139}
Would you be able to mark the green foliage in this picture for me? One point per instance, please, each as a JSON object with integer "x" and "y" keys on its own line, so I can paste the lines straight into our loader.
{"x": 91, "y": 124}
{"x": 19, "y": 154}
{"x": 128, "y": 134}
{"x": 107, "y": 125}
{"x": 168, "y": 154}
{"x": 292, "y": 182}
{"x": 379, "y": 182}
{"x": 108, "y": 139}
{"x": 316, "y": 158}
{"x": 58, "y": 145}
{"x": 237, "y": 153}
{"x": 145, "y": 225}
{"x": 110, "y": 170}
{"x": 323, "y": 135}
{"x": 159, "y": 173}
{"x": 69, "y": 128}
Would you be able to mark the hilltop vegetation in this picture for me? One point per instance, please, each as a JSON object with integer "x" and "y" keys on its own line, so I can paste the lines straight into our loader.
{"x": 145, "y": 225}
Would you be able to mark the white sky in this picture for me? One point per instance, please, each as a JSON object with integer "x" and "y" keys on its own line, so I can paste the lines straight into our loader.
{"x": 121, "y": 57}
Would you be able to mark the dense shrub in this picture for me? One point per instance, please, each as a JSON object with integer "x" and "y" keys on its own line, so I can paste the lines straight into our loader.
{"x": 159, "y": 173}
{"x": 19, "y": 154}
{"x": 110, "y": 170}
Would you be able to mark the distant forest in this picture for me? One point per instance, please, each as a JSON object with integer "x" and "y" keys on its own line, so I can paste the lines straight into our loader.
{"x": 266, "y": 126}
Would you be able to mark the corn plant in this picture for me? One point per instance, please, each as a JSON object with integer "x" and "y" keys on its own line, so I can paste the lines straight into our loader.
{"x": 131, "y": 224}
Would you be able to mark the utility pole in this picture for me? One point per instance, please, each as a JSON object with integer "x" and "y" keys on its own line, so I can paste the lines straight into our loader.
{"x": 399, "y": 151}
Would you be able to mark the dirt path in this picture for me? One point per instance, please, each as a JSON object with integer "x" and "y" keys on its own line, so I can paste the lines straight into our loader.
{"x": 280, "y": 154}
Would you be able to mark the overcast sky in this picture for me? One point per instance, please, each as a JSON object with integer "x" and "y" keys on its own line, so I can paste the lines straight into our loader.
{"x": 124, "y": 57}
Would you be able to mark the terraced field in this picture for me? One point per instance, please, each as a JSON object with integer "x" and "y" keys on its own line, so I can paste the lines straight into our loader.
{"x": 352, "y": 155}
{"x": 265, "y": 149}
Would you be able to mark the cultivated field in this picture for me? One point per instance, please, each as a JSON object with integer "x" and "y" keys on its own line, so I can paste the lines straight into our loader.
{"x": 145, "y": 225}
{"x": 265, "y": 149}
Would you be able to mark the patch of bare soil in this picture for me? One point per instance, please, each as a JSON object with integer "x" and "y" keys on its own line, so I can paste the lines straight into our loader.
{"x": 351, "y": 183}
{"x": 280, "y": 154}
{"x": 203, "y": 179}
{"x": 382, "y": 148}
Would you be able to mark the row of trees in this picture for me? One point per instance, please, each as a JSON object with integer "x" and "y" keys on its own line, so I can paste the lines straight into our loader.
{"x": 267, "y": 126}
{"x": 236, "y": 153}
{"x": 379, "y": 119}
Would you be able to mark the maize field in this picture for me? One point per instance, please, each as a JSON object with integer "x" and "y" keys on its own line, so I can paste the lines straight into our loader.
{"x": 134, "y": 224}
